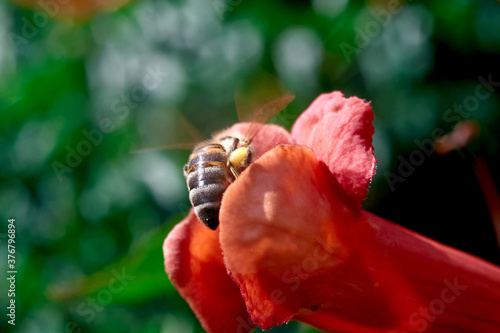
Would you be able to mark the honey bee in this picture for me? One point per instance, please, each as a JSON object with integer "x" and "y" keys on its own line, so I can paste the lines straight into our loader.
{"x": 215, "y": 164}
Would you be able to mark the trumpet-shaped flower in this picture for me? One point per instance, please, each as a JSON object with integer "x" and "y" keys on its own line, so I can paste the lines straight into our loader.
{"x": 294, "y": 243}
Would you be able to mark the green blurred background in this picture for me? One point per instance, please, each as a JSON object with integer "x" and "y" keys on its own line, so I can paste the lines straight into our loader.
{"x": 79, "y": 93}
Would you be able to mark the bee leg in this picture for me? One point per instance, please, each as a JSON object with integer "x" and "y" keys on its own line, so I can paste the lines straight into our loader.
{"x": 248, "y": 159}
{"x": 234, "y": 172}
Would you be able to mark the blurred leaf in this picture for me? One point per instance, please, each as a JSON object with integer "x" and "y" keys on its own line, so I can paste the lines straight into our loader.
{"x": 144, "y": 277}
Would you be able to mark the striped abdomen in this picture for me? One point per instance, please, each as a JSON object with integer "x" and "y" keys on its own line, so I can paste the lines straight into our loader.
{"x": 207, "y": 179}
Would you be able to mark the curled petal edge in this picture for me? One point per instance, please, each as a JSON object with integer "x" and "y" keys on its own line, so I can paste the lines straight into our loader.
{"x": 339, "y": 130}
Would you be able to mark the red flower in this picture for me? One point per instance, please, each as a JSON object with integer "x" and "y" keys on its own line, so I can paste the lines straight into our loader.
{"x": 71, "y": 9}
{"x": 293, "y": 243}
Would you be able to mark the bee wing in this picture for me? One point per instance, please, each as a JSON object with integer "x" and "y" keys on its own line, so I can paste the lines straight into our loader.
{"x": 167, "y": 130}
{"x": 267, "y": 112}
{"x": 265, "y": 97}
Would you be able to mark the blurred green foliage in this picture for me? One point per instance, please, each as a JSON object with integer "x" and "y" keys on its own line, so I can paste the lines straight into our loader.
{"x": 77, "y": 97}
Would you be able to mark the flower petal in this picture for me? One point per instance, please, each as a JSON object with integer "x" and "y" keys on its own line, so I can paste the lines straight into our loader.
{"x": 340, "y": 130}
{"x": 293, "y": 248}
{"x": 193, "y": 262}
{"x": 73, "y": 9}
{"x": 267, "y": 136}
{"x": 273, "y": 219}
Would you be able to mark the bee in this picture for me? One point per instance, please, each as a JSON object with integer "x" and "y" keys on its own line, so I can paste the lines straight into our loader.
{"x": 215, "y": 164}
{"x": 211, "y": 168}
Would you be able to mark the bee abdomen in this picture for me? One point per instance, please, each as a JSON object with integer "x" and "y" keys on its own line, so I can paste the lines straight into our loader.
{"x": 206, "y": 200}
{"x": 207, "y": 180}
{"x": 206, "y": 196}
{"x": 207, "y": 193}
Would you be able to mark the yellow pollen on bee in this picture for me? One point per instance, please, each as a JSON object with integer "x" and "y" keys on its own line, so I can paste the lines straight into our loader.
{"x": 238, "y": 156}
